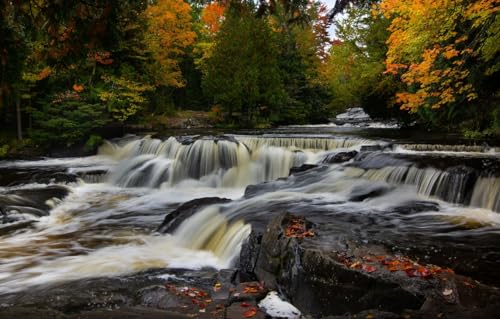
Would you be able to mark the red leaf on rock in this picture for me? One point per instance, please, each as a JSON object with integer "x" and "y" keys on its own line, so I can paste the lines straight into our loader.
{"x": 250, "y": 313}
{"x": 368, "y": 268}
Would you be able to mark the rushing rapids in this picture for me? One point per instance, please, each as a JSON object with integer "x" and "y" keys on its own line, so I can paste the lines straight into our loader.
{"x": 408, "y": 198}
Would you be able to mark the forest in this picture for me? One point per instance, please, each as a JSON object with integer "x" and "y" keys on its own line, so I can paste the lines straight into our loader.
{"x": 70, "y": 68}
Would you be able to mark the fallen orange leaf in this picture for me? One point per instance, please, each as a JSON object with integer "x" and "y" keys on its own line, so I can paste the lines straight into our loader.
{"x": 250, "y": 313}
{"x": 368, "y": 268}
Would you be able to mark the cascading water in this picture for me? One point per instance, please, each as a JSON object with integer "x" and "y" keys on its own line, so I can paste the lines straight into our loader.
{"x": 216, "y": 163}
{"x": 107, "y": 224}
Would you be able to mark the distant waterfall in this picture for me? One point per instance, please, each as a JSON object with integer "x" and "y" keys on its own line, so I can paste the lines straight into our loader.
{"x": 448, "y": 148}
{"x": 304, "y": 143}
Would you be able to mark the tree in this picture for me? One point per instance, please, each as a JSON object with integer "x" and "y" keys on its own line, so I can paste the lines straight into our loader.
{"x": 241, "y": 74}
{"x": 169, "y": 34}
{"x": 442, "y": 51}
{"x": 355, "y": 66}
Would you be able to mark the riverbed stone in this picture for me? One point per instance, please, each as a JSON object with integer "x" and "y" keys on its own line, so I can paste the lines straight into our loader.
{"x": 339, "y": 157}
{"x": 320, "y": 282}
{"x": 302, "y": 168}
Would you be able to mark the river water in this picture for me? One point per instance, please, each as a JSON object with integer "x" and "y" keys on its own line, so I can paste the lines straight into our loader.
{"x": 438, "y": 202}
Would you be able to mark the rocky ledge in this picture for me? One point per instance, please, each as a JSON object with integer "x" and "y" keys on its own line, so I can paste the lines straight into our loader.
{"x": 349, "y": 281}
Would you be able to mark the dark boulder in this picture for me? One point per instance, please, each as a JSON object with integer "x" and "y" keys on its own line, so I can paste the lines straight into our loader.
{"x": 341, "y": 281}
{"x": 302, "y": 168}
{"x": 187, "y": 140}
{"x": 360, "y": 193}
{"x": 339, "y": 157}
{"x": 186, "y": 210}
{"x": 413, "y": 207}
{"x": 371, "y": 148}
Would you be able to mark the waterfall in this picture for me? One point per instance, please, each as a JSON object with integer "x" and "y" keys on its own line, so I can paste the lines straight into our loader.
{"x": 304, "y": 143}
{"x": 214, "y": 162}
{"x": 487, "y": 193}
{"x": 455, "y": 185}
{"x": 238, "y": 161}
{"x": 448, "y": 148}
{"x": 213, "y": 233}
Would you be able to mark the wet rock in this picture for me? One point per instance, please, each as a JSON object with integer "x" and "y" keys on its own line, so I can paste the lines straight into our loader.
{"x": 129, "y": 313}
{"x": 187, "y": 140}
{"x": 371, "y": 148}
{"x": 186, "y": 210}
{"x": 375, "y": 314}
{"x": 244, "y": 310}
{"x": 327, "y": 282}
{"x": 339, "y": 157}
{"x": 11, "y": 227}
{"x": 158, "y": 296}
{"x": 360, "y": 193}
{"x": 302, "y": 168}
{"x": 249, "y": 255}
{"x": 15, "y": 204}
{"x": 258, "y": 189}
{"x": 353, "y": 115}
{"x": 12, "y": 176}
{"x": 414, "y": 207}
{"x": 248, "y": 291}
{"x": 30, "y": 313}
{"x": 33, "y": 197}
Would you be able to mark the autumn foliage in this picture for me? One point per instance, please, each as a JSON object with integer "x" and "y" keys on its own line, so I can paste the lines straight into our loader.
{"x": 169, "y": 33}
{"x": 428, "y": 49}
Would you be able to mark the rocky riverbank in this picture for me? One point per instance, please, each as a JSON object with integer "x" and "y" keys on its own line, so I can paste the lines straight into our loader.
{"x": 344, "y": 280}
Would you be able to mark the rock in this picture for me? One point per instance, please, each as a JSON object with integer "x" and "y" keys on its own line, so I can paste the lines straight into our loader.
{"x": 248, "y": 256}
{"x": 158, "y": 296}
{"x": 129, "y": 313}
{"x": 186, "y": 210}
{"x": 30, "y": 313}
{"x": 248, "y": 291}
{"x": 302, "y": 168}
{"x": 339, "y": 157}
{"x": 360, "y": 193}
{"x": 371, "y": 148}
{"x": 242, "y": 310}
{"x": 187, "y": 140}
{"x": 12, "y": 176}
{"x": 375, "y": 314}
{"x": 343, "y": 282}
{"x": 416, "y": 206}
{"x": 7, "y": 228}
{"x": 353, "y": 115}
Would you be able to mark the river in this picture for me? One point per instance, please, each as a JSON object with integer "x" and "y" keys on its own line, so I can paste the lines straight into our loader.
{"x": 71, "y": 218}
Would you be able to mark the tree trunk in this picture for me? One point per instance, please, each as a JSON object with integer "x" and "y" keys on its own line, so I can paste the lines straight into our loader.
{"x": 18, "y": 115}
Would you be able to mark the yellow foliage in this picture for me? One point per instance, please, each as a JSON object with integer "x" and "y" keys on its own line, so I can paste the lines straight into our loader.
{"x": 169, "y": 34}
{"x": 426, "y": 50}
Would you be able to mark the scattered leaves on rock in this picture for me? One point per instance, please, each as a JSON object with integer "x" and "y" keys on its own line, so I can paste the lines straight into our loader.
{"x": 297, "y": 229}
{"x": 393, "y": 264}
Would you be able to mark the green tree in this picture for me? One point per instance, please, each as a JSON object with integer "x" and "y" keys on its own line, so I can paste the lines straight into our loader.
{"x": 242, "y": 74}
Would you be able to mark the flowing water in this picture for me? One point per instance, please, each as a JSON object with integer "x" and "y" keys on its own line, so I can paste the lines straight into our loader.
{"x": 435, "y": 201}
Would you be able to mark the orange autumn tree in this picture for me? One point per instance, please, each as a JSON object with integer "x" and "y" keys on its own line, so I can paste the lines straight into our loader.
{"x": 432, "y": 46}
{"x": 212, "y": 17}
{"x": 169, "y": 33}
